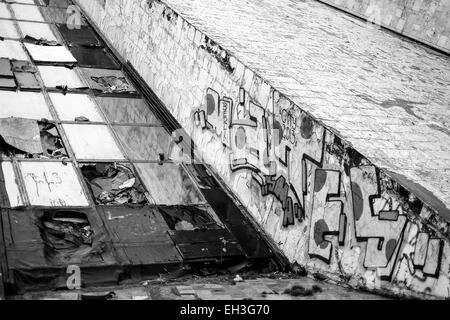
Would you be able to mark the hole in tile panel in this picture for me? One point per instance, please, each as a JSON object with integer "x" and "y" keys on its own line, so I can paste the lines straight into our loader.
{"x": 66, "y": 234}
{"x": 63, "y": 15}
{"x": 190, "y": 218}
{"x": 84, "y": 36}
{"x": 169, "y": 184}
{"x": 25, "y": 138}
{"x": 127, "y": 110}
{"x": 93, "y": 57}
{"x": 53, "y": 184}
{"x": 114, "y": 184}
{"x": 92, "y": 142}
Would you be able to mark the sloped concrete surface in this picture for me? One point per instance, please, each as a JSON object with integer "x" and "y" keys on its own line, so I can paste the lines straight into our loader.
{"x": 387, "y": 96}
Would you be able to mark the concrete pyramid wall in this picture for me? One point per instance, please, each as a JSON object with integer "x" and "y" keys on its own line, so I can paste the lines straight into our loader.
{"x": 324, "y": 204}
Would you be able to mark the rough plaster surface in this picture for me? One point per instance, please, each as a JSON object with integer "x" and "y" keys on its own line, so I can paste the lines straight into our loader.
{"x": 316, "y": 74}
{"x": 427, "y": 21}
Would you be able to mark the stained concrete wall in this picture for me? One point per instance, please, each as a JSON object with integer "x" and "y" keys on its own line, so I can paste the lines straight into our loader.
{"x": 427, "y": 21}
{"x": 328, "y": 208}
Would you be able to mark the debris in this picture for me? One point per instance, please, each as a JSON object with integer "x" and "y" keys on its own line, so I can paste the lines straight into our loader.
{"x": 23, "y": 66}
{"x": 316, "y": 289}
{"x": 82, "y": 119}
{"x": 114, "y": 184}
{"x": 184, "y": 225}
{"x": 319, "y": 276}
{"x": 188, "y": 218}
{"x": 238, "y": 278}
{"x": 299, "y": 291}
{"x": 52, "y": 145}
{"x": 108, "y": 296}
{"x": 66, "y": 234}
{"x": 184, "y": 290}
{"x": 113, "y": 84}
{"x": 41, "y": 41}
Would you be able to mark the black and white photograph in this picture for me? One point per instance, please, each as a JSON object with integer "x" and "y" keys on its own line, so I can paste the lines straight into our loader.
{"x": 225, "y": 158}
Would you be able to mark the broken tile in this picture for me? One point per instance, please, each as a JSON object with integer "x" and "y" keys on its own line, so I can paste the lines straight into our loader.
{"x": 37, "y": 30}
{"x": 53, "y": 54}
{"x": 27, "y": 80}
{"x": 71, "y": 106}
{"x": 23, "y": 66}
{"x": 92, "y": 142}
{"x": 5, "y": 68}
{"x": 108, "y": 81}
{"x": 114, "y": 184}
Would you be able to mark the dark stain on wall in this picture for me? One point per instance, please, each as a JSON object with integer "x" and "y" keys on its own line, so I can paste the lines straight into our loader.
{"x": 219, "y": 53}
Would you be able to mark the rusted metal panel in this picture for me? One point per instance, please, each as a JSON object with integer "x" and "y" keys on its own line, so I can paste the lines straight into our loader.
{"x": 139, "y": 235}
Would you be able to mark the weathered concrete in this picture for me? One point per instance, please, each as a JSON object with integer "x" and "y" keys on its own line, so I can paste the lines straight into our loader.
{"x": 427, "y": 21}
{"x": 332, "y": 86}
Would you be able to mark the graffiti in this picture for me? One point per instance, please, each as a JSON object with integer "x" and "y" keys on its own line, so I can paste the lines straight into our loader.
{"x": 427, "y": 255}
{"x": 327, "y": 215}
{"x": 378, "y": 221}
{"x": 216, "y": 116}
{"x": 284, "y": 149}
{"x": 287, "y": 196}
{"x": 258, "y": 142}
